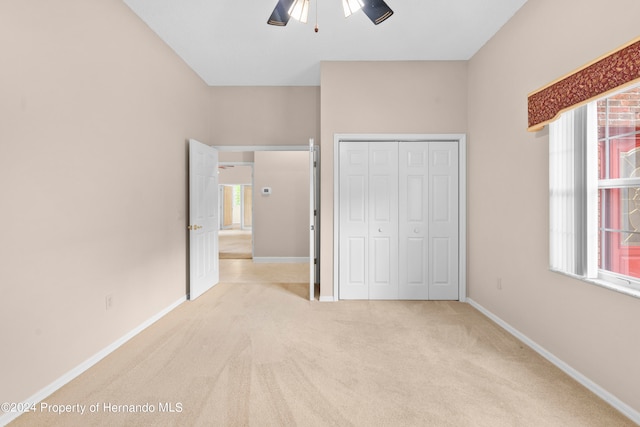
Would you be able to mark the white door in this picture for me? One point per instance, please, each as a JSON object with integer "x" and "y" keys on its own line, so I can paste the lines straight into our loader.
{"x": 414, "y": 221}
{"x": 368, "y": 220}
{"x": 383, "y": 220}
{"x": 443, "y": 220}
{"x": 354, "y": 216}
{"x": 203, "y": 218}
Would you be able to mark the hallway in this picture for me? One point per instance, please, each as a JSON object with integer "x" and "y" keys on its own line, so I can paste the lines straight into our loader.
{"x": 235, "y": 244}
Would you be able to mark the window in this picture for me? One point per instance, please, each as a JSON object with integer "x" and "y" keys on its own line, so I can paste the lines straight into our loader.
{"x": 594, "y": 177}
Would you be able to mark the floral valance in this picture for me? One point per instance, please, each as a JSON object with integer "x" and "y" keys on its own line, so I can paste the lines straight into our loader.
{"x": 606, "y": 74}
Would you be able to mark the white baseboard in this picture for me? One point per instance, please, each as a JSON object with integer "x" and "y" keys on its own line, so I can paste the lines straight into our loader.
{"x": 612, "y": 400}
{"x": 280, "y": 259}
{"x": 326, "y": 299}
{"x": 75, "y": 372}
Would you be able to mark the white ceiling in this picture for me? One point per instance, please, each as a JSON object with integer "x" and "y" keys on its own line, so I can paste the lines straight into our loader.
{"x": 228, "y": 42}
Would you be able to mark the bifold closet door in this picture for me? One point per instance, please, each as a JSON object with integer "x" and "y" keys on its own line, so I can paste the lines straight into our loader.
{"x": 383, "y": 220}
{"x": 398, "y": 230}
{"x": 368, "y": 220}
{"x": 443, "y": 221}
{"x": 354, "y": 216}
{"x": 414, "y": 221}
{"x": 428, "y": 220}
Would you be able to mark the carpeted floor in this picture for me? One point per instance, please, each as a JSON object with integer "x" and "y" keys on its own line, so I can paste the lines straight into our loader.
{"x": 235, "y": 244}
{"x": 253, "y": 351}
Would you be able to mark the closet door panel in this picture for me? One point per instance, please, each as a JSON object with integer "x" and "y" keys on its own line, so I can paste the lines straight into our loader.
{"x": 414, "y": 273}
{"x": 383, "y": 220}
{"x": 356, "y": 249}
{"x": 354, "y": 213}
{"x": 413, "y": 225}
{"x": 443, "y": 220}
{"x": 441, "y": 269}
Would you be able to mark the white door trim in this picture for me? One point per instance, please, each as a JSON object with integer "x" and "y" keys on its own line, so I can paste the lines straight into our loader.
{"x": 312, "y": 221}
{"x": 236, "y": 148}
{"x": 462, "y": 196}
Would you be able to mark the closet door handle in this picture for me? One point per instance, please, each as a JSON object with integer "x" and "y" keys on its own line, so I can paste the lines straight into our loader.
{"x": 379, "y": 230}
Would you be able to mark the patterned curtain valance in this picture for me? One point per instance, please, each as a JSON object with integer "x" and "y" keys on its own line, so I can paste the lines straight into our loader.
{"x": 606, "y": 74}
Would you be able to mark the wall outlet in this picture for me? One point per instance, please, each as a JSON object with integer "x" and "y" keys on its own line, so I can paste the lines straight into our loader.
{"x": 108, "y": 302}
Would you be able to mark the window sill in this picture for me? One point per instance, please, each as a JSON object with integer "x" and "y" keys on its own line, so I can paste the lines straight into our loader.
{"x": 626, "y": 290}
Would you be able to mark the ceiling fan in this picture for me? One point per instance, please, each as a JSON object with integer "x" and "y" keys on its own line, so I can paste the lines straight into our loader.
{"x": 377, "y": 10}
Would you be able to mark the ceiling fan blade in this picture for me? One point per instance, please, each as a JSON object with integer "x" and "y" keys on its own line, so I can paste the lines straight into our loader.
{"x": 280, "y": 14}
{"x": 377, "y": 10}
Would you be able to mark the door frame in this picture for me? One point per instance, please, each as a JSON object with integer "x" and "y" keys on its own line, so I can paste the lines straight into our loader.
{"x": 314, "y": 260}
{"x": 243, "y": 204}
{"x": 460, "y": 138}
{"x": 242, "y": 189}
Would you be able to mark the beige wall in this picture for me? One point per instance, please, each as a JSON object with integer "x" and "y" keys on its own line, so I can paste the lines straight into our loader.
{"x": 281, "y": 220}
{"x": 95, "y": 113}
{"x": 265, "y": 115}
{"x": 235, "y": 156}
{"x": 383, "y": 97}
{"x": 592, "y": 329}
{"x": 238, "y": 174}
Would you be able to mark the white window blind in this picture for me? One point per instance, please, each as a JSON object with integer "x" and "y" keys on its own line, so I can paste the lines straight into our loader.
{"x": 573, "y": 192}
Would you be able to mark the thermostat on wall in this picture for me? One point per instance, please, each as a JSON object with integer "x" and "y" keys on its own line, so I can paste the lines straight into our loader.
{"x": 266, "y": 191}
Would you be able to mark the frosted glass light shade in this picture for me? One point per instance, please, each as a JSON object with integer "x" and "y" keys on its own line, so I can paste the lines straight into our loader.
{"x": 351, "y": 6}
{"x": 299, "y": 10}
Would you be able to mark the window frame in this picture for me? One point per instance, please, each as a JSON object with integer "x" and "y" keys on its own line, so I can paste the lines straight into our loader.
{"x": 585, "y": 149}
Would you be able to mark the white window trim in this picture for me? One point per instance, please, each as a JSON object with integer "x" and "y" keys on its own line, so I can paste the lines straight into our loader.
{"x": 626, "y": 285}
{"x": 609, "y": 281}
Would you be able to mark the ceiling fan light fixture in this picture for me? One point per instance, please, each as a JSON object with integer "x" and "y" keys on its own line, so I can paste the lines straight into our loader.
{"x": 299, "y": 10}
{"x": 351, "y": 6}
{"x": 377, "y": 11}
{"x": 280, "y": 15}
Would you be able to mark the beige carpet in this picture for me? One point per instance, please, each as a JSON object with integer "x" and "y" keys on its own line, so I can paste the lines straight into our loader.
{"x": 235, "y": 244}
{"x": 254, "y": 351}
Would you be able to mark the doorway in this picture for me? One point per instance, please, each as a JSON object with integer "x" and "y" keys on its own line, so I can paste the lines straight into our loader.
{"x": 278, "y": 204}
{"x": 235, "y": 235}
{"x": 236, "y": 210}
{"x": 236, "y": 205}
